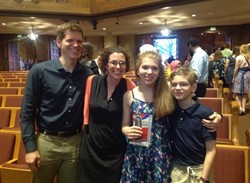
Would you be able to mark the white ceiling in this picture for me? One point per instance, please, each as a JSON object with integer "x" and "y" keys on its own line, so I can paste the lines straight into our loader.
{"x": 208, "y": 13}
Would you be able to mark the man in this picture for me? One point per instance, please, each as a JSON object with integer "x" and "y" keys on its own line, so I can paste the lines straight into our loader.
{"x": 199, "y": 63}
{"x": 226, "y": 52}
{"x": 53, "y": 98}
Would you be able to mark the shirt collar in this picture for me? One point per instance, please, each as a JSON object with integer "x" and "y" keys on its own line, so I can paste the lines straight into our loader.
{"x": 192, "y": 108}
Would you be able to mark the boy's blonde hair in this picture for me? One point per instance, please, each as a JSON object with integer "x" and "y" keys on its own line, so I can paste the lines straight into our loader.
{"x": 185, "y": 72}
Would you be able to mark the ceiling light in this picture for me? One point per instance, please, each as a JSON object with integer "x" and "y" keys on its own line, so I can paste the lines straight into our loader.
{"x": 32, "y": 35}
{"x": 165, "y": 31}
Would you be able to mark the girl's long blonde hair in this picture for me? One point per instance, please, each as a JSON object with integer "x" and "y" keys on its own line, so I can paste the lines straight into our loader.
{"x": 163, "y": 100}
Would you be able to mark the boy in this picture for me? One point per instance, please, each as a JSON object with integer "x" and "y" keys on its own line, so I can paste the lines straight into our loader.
{"x": 194, "y": 147}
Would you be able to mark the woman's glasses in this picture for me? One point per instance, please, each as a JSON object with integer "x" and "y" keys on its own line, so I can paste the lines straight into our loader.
{"x": 115, "y": 63}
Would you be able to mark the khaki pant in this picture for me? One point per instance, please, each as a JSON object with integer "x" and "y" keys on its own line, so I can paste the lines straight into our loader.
{"x": 188, "y": 174}
{"x": 59, "y": 158}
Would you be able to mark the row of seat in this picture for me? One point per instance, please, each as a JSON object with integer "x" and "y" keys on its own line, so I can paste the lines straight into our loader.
{"x": 12, "y": 84}
{"x": 11, "y": 100}
{"x": 13, "y": 79}
{"x": 11, "y": 90}
{"x": 14, "y": 169}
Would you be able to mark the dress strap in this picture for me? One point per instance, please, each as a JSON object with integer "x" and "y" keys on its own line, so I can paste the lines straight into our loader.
{"x": 133, "y": 95}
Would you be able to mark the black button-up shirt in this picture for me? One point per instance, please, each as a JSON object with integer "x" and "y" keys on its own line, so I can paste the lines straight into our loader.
{"x": 54, "y": 99}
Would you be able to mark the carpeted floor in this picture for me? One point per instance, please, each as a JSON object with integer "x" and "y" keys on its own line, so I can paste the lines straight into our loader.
{"x": 244, "y": 123}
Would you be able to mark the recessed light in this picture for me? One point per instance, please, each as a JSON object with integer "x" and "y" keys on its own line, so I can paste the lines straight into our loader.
{"x": 3, "y": 23}
{"x": 193, "y": 15}
{"x": 165, "y": 8}
{"x": 141, "y": 23}
{"x": 104, "y": 28}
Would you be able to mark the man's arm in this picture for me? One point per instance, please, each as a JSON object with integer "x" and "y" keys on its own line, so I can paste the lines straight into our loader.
{"x": 213, "y": 122}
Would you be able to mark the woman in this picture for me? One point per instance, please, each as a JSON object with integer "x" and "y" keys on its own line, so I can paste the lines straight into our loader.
{"x": 219, "y": 66}
{"x": 242, "y": 78}
{"x": 229, "y": 69}
{"x": 103, "y": 144}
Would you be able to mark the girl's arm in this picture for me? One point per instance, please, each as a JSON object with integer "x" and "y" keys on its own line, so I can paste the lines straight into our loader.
{"x": 236, "y": 69}
{"x": 209, "y": 159}
{"x": 132, "y": 132}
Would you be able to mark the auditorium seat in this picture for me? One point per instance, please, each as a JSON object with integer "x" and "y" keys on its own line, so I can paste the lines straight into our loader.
{"x": 232, "y": 164}
{"x": 16, "y": 170}
{"x": 7, "y": 90}
{"x": 3, "y": 84}
{"x": 17, "y": 84}
{"x": 7, "y": 144}
{"x": 212, "y": 92}
{"x": 12, "y": 100}
{"x": 4, "y": 117}
{"x": 15, "y": 120}
{"x": 11, "y": 79}
{"x": 216, "y": 104}
{"x": 228, "y": 131}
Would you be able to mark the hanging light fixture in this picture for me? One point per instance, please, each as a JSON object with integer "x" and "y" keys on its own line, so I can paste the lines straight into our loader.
{"x": 165, "y": 31}
{"x": 32, "y": 35}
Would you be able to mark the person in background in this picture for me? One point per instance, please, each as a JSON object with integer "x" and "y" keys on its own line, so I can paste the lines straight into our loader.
{"x": 147, "y": 47}
{"x": 153, "y": 98}
{"x": 229, "y": 69}
{"x": 226, "y": 52}
{"x": 174, "y": 65}
{"x": 98, "y": 61}
{"x": 53, "y": 104}
{"x": 87, "y": 57}
{"x": 241, "y": 78}
{"x": 199, "y": 63}
{"x": 194, "y": 147}
{"x": 219, "y": 66}
{"x": 21, "y": 64}
{"x": 103, "y": 145}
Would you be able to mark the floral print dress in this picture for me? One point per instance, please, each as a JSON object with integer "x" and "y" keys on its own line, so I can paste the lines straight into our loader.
{"x": 148, "y": 164}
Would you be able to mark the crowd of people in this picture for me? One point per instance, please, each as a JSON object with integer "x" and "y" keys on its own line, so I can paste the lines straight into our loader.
{"x": 233, "y": 68}
{"x": 85, "y": 128}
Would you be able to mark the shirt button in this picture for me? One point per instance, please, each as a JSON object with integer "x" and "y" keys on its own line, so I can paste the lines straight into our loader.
{"x": 69, "y": 110}
{"x": 70, "y": 87}
{"x": 70, "y": 98}
{"x": 181, "y": 118}
{"x": 67, "y": 123}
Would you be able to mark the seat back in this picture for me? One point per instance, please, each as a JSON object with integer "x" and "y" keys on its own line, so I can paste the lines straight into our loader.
{"x": 9, "y": 91}
{"x": 212, "y": 92}
{"x": 216, "y": 104}
{"x": 231, "y": 164}
{"x": 5, "y": 117}
{"x": 3, "y": 84}
{"x": 7, "y": 143}
{"x": 14, "y": 101}
{"x": 224, "y": 130}
{"x": 17, "y": 84}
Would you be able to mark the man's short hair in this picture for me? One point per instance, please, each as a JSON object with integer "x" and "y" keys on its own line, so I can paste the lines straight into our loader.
{"x": 193, "y": 42}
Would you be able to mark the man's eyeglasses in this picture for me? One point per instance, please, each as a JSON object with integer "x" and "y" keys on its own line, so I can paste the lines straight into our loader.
{"x": 181, "y": 85}
{"x": 115, "y": 63}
